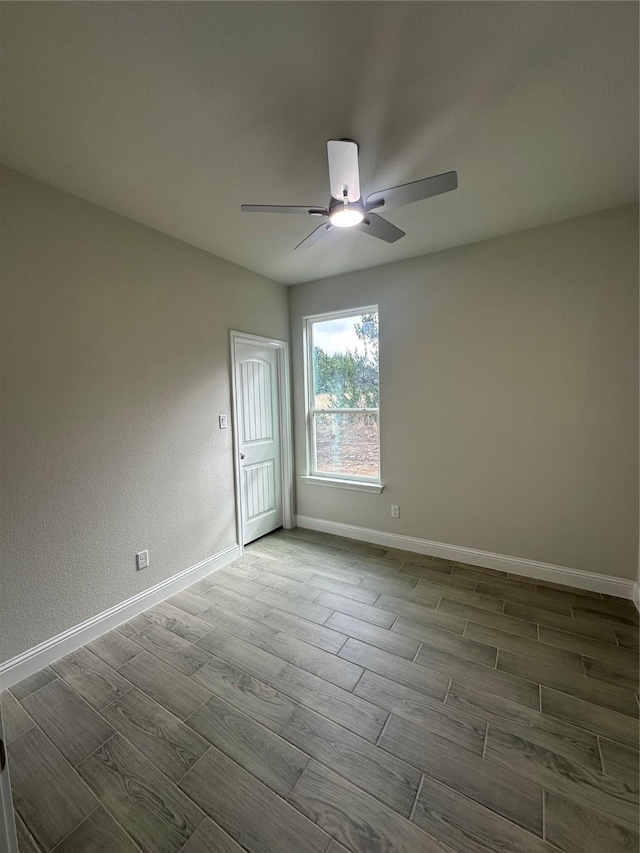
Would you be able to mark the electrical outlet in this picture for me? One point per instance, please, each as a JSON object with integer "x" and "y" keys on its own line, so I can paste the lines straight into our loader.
{"x": 395, "y": 511}
{"x": 142, "y": 560}
{"x": 222, "y": 421}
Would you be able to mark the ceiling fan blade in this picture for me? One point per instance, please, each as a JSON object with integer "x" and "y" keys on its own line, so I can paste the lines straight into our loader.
{"x": 380, "y": 228}
{"x": 282, "y": 208}
{"x": 320, "y": 232}
{"x": 415, "y": 191}
{"x": 344, "y": 174}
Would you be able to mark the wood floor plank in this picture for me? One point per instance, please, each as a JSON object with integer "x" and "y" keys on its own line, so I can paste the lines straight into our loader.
{"x": 397, "y": 669}
{"x": 296, "y": 589}
{"x": 562, "y": 623}
{"x": 621, "y": 762}
{"x": 420, "y": 614}
{"x": 478, "y": 573}
{"x": 595, "y": 613}
{"x": 617, "y": 674}
{"x": 382, "y": 638}
{"x": 245, "y": 656}
{"x": 246, "y": 693}
{"x": 289, "y": 650}
{"x": 185, "y": 625}
{"x": 412, "y": 558}
{"x": 556, "y": 735}
{"x": 519, "y": 627}
{"x": 312, "y": 611}
{"x": 168, "y": 743}
{"x": 348, "y": 710}
{"x": 508, "y": 685}
{"x": 244, "y": 627}
{"x": 166, "y": 685}
{"x": 559, "y": 775}
{"x": 182, "y": 655}
{"x": 15, "y": 719}
{"x": 53, "y": 800}
{"x": 26, "y": 841}
{"x": 91, "y": 678}
{"x": 437, "y": 575}
{"x": 489, "y": 784}
{"x": 575, "y": 829}
{"x": 203, "y": 585}
{"x": 34, "y": 682}
{"x": 606, "y": 652}
{"x": 296, "y": 570}
{"x": 401, "y": 584}
{"x": 570, "y": 661}
{"x": 366, "y": 612}
{"x": 358, "y": 821}
{"x": 348, "y": 590}
{"x": 239, "y": 569}
{"x": 327, "y": 637}
{"x": 133, "y": 626}
{"x": 114, "y": 649}
{"x": 270, "y": 758}
{"x": 210, "y": 838}
{"x": 70, "y": 723}
{"x": 189, "y": 602}
{"x": 156, "y": 814}
{"x": 522, "y": 594}
{"x": 482, "y": 600}
{"x": 335, "y": 670}
{"x": 99, "y": 833}
{"x": 628, "y": 638}
{"x": 557, "y": 677}
{"x": 389, "y": 779}
{"x": 447, "y": 641}
{"x": 430, "y": 714}
{"x": 467, "y": 826}
{"x": 595, "y": 718}
{"x": 577, "y": 598}
{"x": 223, "y": 790}
{"x": 352, "y": 546}
{"x": 225, "y": 599}
{"x": 275, "y": 544}
{"x": 246, "y": 587}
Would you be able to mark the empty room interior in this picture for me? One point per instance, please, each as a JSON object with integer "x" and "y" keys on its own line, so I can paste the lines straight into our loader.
{"x": 319, "y": 427}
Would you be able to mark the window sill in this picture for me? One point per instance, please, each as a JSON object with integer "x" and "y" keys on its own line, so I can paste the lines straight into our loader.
{"x": 354, "y": 485}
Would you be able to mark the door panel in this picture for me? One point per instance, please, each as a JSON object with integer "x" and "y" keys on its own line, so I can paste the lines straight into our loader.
{"x": 258, "y": 407}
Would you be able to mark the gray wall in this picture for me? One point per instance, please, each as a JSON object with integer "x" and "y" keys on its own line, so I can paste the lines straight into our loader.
{"x": 509, "y": 394}
{"x": 115, "y": 366}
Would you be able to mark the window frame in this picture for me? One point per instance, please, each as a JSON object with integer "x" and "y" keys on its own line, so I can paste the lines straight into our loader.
{"x": 314, "y": 477}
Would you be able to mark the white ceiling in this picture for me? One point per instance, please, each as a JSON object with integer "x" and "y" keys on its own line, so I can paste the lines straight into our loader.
{"x": 174, "y": 113}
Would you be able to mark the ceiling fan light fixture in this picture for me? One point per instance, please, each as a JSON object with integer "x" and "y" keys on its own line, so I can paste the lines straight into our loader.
{"x": 347, "y": 216}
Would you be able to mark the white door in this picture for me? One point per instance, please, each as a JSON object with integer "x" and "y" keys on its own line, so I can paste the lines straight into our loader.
{"x": 258, "y": 427}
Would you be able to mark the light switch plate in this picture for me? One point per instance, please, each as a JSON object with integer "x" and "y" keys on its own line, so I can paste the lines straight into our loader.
{"x": 222, "y": 421}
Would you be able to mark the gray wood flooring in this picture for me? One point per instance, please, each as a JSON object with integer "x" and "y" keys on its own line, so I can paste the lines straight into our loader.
{"x": 321, "y": 695}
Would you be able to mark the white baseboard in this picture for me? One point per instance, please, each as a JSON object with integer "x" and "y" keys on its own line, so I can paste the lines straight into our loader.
{"x": 501, "y": 562}
{"x": 29, "y": 662}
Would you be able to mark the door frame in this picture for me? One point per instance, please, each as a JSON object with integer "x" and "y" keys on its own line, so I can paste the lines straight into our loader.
{"x": 286, "y": 436}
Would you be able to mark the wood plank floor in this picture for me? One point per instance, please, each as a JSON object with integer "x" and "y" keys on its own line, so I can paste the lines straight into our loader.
{"x": 325, "y": 695}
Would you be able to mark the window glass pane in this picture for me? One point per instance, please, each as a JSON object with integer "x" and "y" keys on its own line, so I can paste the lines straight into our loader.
{"x": 346, "y": 443}
{"x": 345, "y": 362}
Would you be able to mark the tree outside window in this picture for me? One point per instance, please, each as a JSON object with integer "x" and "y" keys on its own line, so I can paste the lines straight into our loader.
{"x": 344, "y": 395}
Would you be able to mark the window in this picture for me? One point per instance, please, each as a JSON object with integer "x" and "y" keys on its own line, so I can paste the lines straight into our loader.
{"x": 343, "y": 396}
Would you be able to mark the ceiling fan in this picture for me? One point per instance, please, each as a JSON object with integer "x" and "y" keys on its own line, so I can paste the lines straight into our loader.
{"x": 347, "y": 209}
